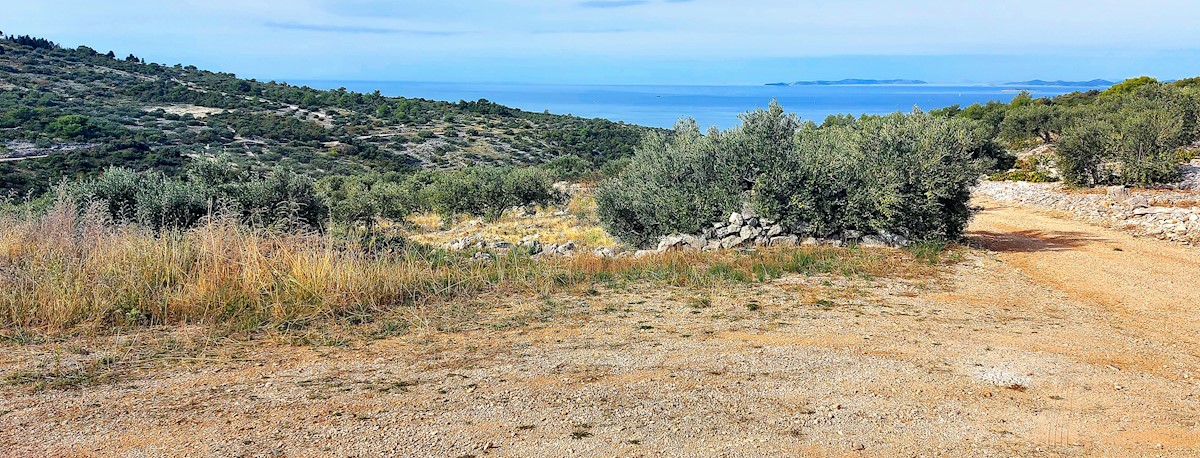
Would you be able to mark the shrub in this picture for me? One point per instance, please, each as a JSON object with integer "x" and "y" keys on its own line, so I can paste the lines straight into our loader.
{"x": 1080, "y": 155}
{"x": 487, "y": 191}
{"x": 569, "y": 167}
{"x": 1146, "y": 147}
{"x": 908, "y": 175}
{"x": 904, "y": 174}
{"x": 154, "y": 200}
{"x": 676, "y": 184}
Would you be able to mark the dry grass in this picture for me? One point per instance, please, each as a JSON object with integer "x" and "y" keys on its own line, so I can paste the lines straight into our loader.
{"x": 579, "y": 225}
{"x": 69, "y": 272}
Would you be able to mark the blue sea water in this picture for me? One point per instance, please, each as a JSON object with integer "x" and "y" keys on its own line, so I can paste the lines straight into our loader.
{"x": 719, "y": 106}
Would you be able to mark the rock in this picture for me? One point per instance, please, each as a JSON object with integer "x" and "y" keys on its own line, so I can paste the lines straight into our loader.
{"x": 810, "y": 241}
{"x": 1152, "y": 210}
{"x": 1137, "y": 202}
{"x": 501, "y": 245}
{"x": 669, "y": 242}
{"x": 749, "y": 232}
{"x": 751, "y": 221}
{"x": 533, "y": 246}
{"x": 851, "y": 235}
{"x": 643, "y": 253}
{"x": 774, "y": 230}
{"x": 784, "y": 240}
{"x": 735, "y": 219}
{"x": 566, "y": 248}
{"x": 732, "y": 241}
{"x": 695, "y": 242}
{"x": 1118, "y": 193}
{"x": 727, "y": 231}
{"x": 873, "y": 241}
{"x": 482, "y": 256}
{"x": 605, "y": 252}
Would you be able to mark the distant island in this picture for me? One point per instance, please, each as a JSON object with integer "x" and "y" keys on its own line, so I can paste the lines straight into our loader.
{"x": 1092, "y": 83}
{"x": 847, "y": 82}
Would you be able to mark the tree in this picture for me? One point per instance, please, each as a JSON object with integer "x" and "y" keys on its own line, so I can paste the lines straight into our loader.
{"x": 1129, "y": 86}
{"x": 1026, "y": 121}
{"x": 1082, "y": 151}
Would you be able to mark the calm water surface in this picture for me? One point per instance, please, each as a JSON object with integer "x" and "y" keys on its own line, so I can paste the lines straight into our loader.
{"x": 710, "y": 105}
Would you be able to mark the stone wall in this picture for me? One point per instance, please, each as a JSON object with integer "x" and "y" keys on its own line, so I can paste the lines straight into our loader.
{"x": 1164, "y": 214}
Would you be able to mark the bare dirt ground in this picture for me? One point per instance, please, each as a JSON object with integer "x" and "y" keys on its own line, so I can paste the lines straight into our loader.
{"x": 1053, "y": 338}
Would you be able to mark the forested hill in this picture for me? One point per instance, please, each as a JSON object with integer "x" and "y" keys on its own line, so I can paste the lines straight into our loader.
{"x": 74, "y": 112}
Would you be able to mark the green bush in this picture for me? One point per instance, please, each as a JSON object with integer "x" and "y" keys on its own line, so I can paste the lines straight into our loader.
{"x": 154, "y": 200}
{"x": 487, "y": 191}
{"x": 677, "y": 184}
{"x": 902, "y": 174}
{"x": 1146, "y": 147}
{"x": 1080, "y": 154}
{"x": 905, "y": 174}
{"x": 569, "y": 167}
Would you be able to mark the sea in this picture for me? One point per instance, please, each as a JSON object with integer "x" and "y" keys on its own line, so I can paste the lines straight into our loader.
{"x": 719, "y": 106}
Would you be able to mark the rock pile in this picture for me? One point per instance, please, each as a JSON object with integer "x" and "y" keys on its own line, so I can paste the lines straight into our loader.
{"x": 744, "y": 229}
{"x": 531, "y": 243}
{"x": 1166, "y": 215}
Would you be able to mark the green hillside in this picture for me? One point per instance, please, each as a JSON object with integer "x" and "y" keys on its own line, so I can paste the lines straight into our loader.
{"x": 69, "y": 113}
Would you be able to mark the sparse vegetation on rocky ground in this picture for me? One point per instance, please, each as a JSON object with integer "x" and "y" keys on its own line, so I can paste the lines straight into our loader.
{"x": 68, "y": 270}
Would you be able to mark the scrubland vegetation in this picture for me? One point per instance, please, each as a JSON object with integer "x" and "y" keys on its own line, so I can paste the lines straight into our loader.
{"x": 70, "y": 270}
{"x": 904, "y": 174}
{"x": 275, "y": 206}
{"x": 1135, "y": 133}
{"x": 88, "y": 111}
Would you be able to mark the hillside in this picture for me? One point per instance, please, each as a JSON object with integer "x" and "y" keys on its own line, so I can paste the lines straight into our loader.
{"x": 67, "y": 113}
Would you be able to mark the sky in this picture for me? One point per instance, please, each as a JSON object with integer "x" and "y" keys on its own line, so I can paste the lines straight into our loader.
{"x": 635, "y": 41}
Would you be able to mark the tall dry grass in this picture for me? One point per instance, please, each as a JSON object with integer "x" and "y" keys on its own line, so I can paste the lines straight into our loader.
{"x": 64, "y": 270}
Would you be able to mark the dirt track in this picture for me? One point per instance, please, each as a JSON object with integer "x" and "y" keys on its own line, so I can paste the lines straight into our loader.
{"x": 1063, "y": 339}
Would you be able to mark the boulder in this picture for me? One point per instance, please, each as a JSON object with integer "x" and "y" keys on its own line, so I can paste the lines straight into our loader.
{"x": 774, "y": 230}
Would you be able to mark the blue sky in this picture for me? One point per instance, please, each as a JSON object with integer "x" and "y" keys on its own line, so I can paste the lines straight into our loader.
{"x": 636, "y": 41}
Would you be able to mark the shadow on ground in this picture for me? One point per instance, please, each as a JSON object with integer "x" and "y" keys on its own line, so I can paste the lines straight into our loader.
{"x": 1029, "y": 241}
